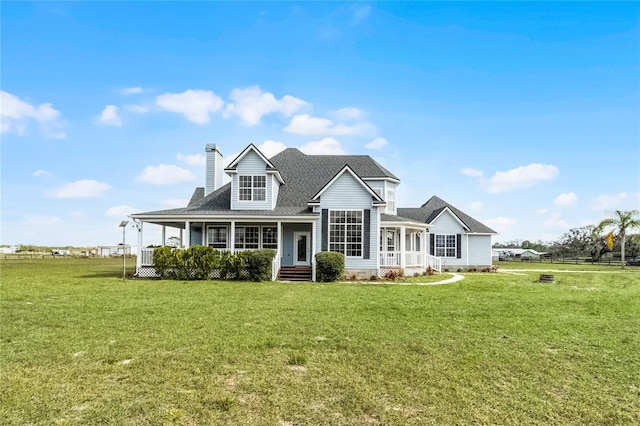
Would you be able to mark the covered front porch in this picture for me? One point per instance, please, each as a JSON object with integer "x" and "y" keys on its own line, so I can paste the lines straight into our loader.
{"x": 292, "y": 241}
{"x": 404, "y": 246}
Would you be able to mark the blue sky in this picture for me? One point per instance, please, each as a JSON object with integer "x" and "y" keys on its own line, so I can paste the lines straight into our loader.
{"x": 524, "y": 115}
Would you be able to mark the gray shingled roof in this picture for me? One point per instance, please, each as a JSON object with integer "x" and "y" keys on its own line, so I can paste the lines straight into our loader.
{"x": 304, "y": 176}
{"x": 434, "y": 206}
{"x": 384, "y": 217}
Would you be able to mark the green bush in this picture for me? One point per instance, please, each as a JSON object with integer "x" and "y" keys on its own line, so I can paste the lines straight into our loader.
{"x": 199, "y": 263}
{"x": 202, "y": 261}
{"x": 329, "y": 266}
{"x": 162, "y": 259}
{"x": 259, "y": 264}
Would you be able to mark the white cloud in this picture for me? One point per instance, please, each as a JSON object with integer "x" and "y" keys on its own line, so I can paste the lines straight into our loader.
{"x": 195, "y": 105}
{"x": 566, "y": 200}
{"x": 609, "y": 202}
{"x": 131, "y": 90}
{"x": 175, "y": 203}
{"x": 347, "y": 114}
{"x": 78, "y": 214}
{"x": 304, "y": 124}
{"x": 110, "y": 116}
{"x": 556, "y": 221}
{"x": 138, "y": 109}
{"x": 192, "y": 159}
{"x": 521, "y": 177}
{"x": 270, "y": 148}
{"x": 120, "y": 211}
{"x": 251, "y": 103}
{"x": 541, "y": 212}
{"x": 500, "y": 224}
{"x": 15, "y": 114}
{"x": 41, "y": 172}
{"x": 165, "y": 174}
{"x": 326, "y": 146}
{"x": 377, "y": 143}
{"x": 80, "y": 189}
{"x": 468, "y": 171}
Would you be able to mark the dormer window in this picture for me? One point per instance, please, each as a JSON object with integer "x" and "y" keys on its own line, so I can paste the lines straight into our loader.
{"x": 391, "y": 201}
{"x": 252, "y": 188}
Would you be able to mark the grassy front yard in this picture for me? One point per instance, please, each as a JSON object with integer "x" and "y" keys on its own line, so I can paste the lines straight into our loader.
{"x": 78, "y": 345}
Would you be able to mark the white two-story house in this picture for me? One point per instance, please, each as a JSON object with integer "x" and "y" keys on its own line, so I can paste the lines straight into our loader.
{"x": 300, "y": 204}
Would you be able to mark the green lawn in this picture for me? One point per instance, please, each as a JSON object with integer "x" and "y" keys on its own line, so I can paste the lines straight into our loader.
{"x": 78, "y": 346}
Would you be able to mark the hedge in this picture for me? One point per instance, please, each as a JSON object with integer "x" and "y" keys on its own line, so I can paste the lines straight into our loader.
{"x": 201, "y": 262}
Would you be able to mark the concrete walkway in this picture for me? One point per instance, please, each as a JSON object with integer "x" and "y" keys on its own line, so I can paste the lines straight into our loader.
{"x": 453, "y": 279}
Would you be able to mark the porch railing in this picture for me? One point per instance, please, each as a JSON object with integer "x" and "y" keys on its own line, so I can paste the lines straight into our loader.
{"x": 411, "y": 258}
{"x": 434, "y": 262}
{"x": 146, "y": 256}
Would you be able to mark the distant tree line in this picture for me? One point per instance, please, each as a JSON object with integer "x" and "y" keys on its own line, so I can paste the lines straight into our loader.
{"x": 611, "y": 238}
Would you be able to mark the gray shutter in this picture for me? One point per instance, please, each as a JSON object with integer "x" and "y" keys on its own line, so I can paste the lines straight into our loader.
{"x": 459, "y": 246}
{"x": 366, "y": 235}
{"x": 325, "y": 229}
{"x": 432, "y": 244}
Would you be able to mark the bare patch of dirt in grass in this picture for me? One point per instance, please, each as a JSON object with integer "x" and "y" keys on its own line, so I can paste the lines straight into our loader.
{"x": 300, "y": 368}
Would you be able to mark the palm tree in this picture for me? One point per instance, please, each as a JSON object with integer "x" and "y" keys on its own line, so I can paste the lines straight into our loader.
{"x": 624, "y": 220}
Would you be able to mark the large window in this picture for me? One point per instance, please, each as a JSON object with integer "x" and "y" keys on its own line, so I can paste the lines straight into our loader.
{"x": 217, "y": 237}
{"x": 269, "y": 237}
{"x": 252, "y": 188}
{"x": 247, "y": 237}
{"x": 445, "y": 245}
{"x": 345, "y": 232}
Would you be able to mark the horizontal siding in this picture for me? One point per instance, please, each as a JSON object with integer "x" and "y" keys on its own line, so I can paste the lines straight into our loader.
{"x": 251, "y": 164}
{"x": 480, "y": 250}
{"x": 476, "y": 249}
{"x": 347, "y": 193}
{"x": 274, "y": 188}
{"x": 448, "y": 224}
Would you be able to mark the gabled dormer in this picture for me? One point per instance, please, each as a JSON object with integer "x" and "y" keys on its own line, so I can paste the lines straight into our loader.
{"x": 255, "y": 181}
{"x": 386, "y": 189}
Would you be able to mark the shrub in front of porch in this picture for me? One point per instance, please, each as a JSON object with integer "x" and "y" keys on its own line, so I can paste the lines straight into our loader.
{"x": 329, "y": 266}
{"x": 203, "y": 263}
{"x": 258, "y": 264}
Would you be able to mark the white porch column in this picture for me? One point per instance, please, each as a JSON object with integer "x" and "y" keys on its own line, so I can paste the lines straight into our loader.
{"x": 203, "y": 238}
{"x": 313, "y": 250}
{"x": 139, "y": 256}
{"x": 403, "y": 247}
{"x": 164, "y": 236}
{"x": 423, "y": 248}
{"x": 232, "y": 237}
{"x": 279, "y": 251}
{"x": 187, "y": 231}
{"x": 181, "y": 236}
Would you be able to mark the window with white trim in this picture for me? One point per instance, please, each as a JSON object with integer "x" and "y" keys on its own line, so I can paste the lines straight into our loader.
{"x": 247, "y": 237}
{"x": 391, "y": 201}
{"x": 270, "y": 237}
{"x": 345, "y": 232}
{"x": 217, "y": 236}
{"x": 252, "y": 188}
{"x": 387, "y": 239}
{"x": 445, "y": 245}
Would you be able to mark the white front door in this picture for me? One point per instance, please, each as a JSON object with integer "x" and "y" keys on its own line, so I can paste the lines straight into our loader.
{"x": 302, "y": 248}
